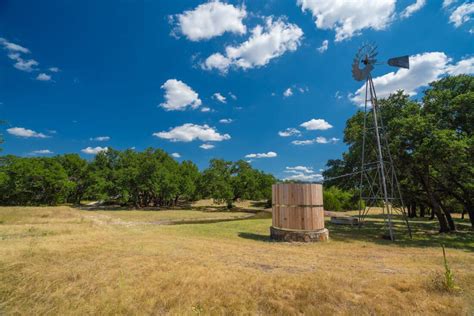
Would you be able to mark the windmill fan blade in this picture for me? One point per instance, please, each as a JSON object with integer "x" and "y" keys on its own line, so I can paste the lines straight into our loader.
{"x": 400, "y": 62}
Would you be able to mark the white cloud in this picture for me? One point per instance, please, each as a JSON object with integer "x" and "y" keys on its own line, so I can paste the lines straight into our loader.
{"x": 269, "y": 154}
{"x": 266, "y": 42}
{"x": 179, "y": 96}
{"x": 54, "y": 69}
{"x": 189, "y": 132}
{"x": 298, "y": 169}
{"x": 24, "y": 132}
{"x": 100, "y": 138}
{"x": 324, "y": 140}
{"x": 447, "y": 3}
{"x": 338, "y": 95}
{"x": 93, "y": 150}
{"x": 316, "y": 177}
{"x": 14, "y": 53}
{"x": 316, "y": 124}
{"x": 226, "y": 121}
{"x": 289, "y": 132}
{"x": 233, "y": 96}
{"x": 324, "y": 46}
{"x": 302, "y": 173}
{"x": 206, "y": 109}
{"x": 424, "y": 68}
{"x": 303, "y": 142}
{"x": 25, "y": 65}
{"x": 462, "y": 14}
{"x": 41, "y": 152}
{"x": 465, "y": 66}
{"x": 207, "y": 146}
{"x": 43, "y": 77}
{"x": 12, "y": 47}
{"x": 349, "y": 18}
{"x": 318, "y": 140}
{"x": 412, "y": 8}
{"x": 288, "y": 92}
{"x": 210, "y": 20}
{"x": 219, "y": 97}
{"x": 176, "y": 155}
{"x": 217, "y": 61}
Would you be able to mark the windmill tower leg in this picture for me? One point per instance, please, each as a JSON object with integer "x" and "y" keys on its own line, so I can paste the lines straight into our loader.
{"x": 387, "y": 206}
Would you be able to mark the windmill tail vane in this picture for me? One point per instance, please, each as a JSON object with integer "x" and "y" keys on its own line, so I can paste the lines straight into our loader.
{"x": 400, "y": 62}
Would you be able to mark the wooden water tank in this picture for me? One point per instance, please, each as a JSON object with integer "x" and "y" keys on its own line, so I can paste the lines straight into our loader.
{"x": 298, "y": 212}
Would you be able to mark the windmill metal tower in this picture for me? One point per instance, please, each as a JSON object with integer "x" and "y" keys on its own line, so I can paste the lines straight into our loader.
{"x": 379, "y": 186}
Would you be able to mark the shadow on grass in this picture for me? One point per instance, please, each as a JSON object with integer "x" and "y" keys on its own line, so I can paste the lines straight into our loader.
{"x": 425, "y": 233}
{"x": 253, "y": 236}
{"x": 374, "y": 230}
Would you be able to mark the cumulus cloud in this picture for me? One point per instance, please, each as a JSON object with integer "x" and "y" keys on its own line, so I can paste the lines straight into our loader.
{"x": 24, "y": 132}
{"x": 25, "y": 65}
{"x": 206, "y": 146}
{"x": 288, "y": 93}
{"x": 179, "y": 96}
{"x": 189, "y": 132}
{"x": 298, "y": 169}
{"x": 93, "y": 150}
{"x": 424, "y": 68}
{"x": 266, "y": 43}
{"x": 14, "y": 53}
{"x": 226, "y": 121}
{"x": 54, "y": 69}
{"x": 43, "y": 77}
{"x": 462, "y": 14}
{"x": 100, "y": 138}
{"x": 349, "y": 18}
{"x": 317, "y": 140}
{"x": 41, "y": 152}
{"x": 324, "y": 46}
{"x": 211, "y": 19}
{"x": 206, "y": 109}
{"x": 465, "y": 66}
{"x": 12, "y": 47}
{"x": 412, "y": 8}
{"x": 289, "y": 132}
{"x": 269, "y": 154}
{"x": 219, "y": 97}
{"x": 176, "y": 155}
{"x": 324, "y": 140}
{"x": 316, "y": 177}
{"x": 447, "y": 3}
{"x": 303, "y": 142}
{"x": 316, "y": 124}
{"x": 302, "y": 173}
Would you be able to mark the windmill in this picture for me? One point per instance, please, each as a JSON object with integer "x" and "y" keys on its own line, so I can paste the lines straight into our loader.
{"x": 379, "y": 185}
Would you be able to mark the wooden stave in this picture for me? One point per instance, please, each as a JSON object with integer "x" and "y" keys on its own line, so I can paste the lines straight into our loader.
{"x": 294, "y": 206}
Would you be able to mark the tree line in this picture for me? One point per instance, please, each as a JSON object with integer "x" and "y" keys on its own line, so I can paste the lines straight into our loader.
{"x": 432, "y": 146}
{"x": 139, "y": 179}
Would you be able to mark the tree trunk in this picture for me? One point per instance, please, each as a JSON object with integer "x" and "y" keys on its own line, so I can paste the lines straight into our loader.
{"x": 470, "y": 210}
{"x": 435, "y": 207}
{"x": 413, "y": 210}
{"x": 449, "y": 218}
{"x": 422, "y": 210}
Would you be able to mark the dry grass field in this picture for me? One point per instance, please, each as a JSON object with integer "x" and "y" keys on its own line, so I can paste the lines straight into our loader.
{"x": 63, "y": 260}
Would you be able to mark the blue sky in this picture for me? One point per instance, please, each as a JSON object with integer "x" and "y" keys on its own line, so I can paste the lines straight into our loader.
{"x": 212, "y": 79}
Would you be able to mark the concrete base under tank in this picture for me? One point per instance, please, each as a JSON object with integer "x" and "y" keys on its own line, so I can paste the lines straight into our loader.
{"x": 299, "y": 235}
